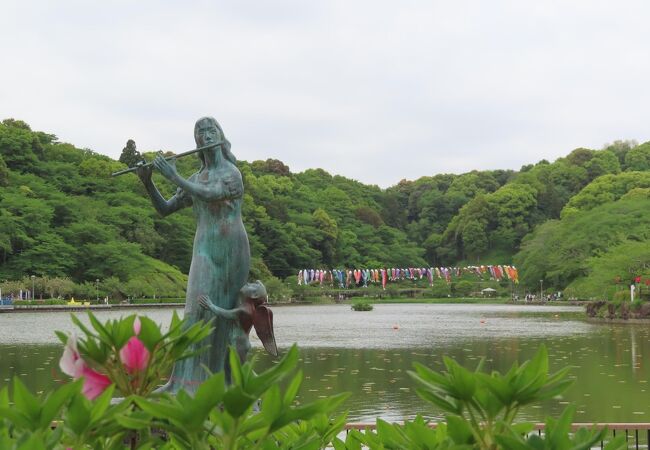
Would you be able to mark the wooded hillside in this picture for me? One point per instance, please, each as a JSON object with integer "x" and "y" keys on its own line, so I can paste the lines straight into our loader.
{"x": 63, "y": 217}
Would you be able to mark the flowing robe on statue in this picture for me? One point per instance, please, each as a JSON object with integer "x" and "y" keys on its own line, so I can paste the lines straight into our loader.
{"x": 219, "y": 268}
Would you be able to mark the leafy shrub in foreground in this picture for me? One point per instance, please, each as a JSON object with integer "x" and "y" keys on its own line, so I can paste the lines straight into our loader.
{"x": 218, "y": 416}
{"x": 481, "y": 409}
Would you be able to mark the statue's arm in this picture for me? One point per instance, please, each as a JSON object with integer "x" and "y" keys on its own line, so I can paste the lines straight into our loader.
{"x": 163, "y": 206}
{"x": 229, "y": 187}
{"x": 230, "y": 314}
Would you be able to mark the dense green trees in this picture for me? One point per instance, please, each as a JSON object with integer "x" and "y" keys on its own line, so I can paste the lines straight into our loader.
{"x": 638, "y": 158}
{"x": 590, "y": 251}
{"x": 62, "y": 216}
{"x": 130, "y": 155}
{"x": 606, "y": 189}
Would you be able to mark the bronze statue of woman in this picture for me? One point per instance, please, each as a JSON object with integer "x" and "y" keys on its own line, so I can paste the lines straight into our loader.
{"x": 221, "y": 253}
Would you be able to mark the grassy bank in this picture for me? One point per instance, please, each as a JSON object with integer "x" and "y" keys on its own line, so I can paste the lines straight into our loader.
{"x": 489, "y": 301}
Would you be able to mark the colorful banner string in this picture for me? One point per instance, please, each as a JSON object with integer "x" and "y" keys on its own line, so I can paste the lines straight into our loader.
{"x": 346, "y": 277}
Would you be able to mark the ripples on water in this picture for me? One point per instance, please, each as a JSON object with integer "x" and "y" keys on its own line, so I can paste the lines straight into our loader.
{"x": 369, "y": 353}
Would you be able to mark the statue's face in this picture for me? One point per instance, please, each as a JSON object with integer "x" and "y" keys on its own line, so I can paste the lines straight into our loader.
{"x": 206, "y": 133}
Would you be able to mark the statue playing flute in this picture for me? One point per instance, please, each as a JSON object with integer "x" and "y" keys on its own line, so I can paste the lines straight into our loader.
{"x": 220, "y": 256}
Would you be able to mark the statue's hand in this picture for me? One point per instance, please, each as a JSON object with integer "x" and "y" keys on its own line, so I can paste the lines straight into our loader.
{"x": 204, "y": 301}
{"x": 232, "y": 188}
{"x": 144, "y": 173}
{"x": 166, "y": 168}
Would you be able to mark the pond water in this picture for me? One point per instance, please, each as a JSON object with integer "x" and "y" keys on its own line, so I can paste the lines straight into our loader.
{"x": 369, "y": 353}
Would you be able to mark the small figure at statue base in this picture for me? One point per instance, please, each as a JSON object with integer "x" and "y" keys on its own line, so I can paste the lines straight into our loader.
{"x": 252, "y": 312}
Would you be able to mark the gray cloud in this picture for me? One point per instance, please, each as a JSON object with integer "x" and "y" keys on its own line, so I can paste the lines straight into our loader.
{"x": 376, "y": 91}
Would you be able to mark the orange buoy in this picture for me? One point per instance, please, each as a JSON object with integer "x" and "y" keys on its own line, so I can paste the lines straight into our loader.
{"x": 396, "y": 327}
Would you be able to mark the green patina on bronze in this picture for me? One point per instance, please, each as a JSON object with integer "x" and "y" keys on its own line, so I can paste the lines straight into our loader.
{"x": 251, "y": 312}
{"x": 221, "y": 253}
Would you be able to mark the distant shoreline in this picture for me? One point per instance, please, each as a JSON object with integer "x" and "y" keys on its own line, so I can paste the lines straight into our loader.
{"x": 128, "y": 306}
{"x": 77, "y": 308}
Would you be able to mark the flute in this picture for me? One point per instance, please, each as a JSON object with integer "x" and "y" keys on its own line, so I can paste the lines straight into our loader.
{"x": 167, "y": 158}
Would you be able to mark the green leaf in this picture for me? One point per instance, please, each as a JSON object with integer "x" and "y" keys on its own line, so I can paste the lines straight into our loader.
{"x": 63, "y": 337}
{"x": 175, "y": 326}
{"x": 310, "y": 444}
{"x": 430, "y": 376}
{"x": 446, "y": 404}
{"x": 53, "y": 438}
{"x": 557, "y": 431}
{"x": 292, "y": 389}
{"x": 585, "y": 438}
{"x": 208, "y": 396}
{"x": 533, "y": 373}
{"x": 101, "y": 404}
{"x": 236, "y": 401}
{"x": 266, "y": 379}
{"x": 25, "y": 402}
{"x": 150, "y": 334}
{"x": 272, "y": 403}
{"x": 512, "y": 442}
{"x": 254, "y": 423}
{"x": 17, "y": 417}
{"x": 197, "y": 332}
{"x": 339, "y": 444}
{"x": 425, "y": 384}
{"x": 4, "y": 397}
{"x": 103, "y": 333}
{"x": 421, "y": 435}
{"x": 54, "y": 402}
{"x": 390, "y": 434}
{"x": 235, "y": 368}
{"x": 334, "y": 428}
{"x": 77, "y": 416}
{"x": 488, "y": 403}
{"x": 323, "y": 406}
{"x": 548, "y": 392}
{"x": 355, "y": 439}
{"x": 83, "y": 327}
{"x": 247, "y": 370}
{"x": 162, "y": 409}
{"x": 34, "y": 442}
{"x": 134, "y": 421}
{"x": 182, "y": 397}
{"x": 462, "y": 379}
{"x": 122, "y": 331}
{"x": 617, "y": 443}
{"x": 498, "y": 386}
{"x": 459, "y": 430}
{"x": 522, "y": 428}
{"x": 94, "y": 351}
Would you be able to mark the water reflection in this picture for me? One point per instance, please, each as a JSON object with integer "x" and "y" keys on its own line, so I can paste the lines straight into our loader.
{"x": 370, "y": 353}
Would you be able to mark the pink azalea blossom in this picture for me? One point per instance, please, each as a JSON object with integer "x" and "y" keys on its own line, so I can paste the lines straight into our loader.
{"x": 137, "y": 326}
{"x": 134, "y": 355}
{"x": 71, "y": 363}
{"x": 94, "y": 383}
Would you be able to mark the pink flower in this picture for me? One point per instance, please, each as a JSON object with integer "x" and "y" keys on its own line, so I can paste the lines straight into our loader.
{"x": 94, "y": 383}
{"x": 71, "y": 363}
{"x": 137, "y": 326}
{"x": 134, "y": 355}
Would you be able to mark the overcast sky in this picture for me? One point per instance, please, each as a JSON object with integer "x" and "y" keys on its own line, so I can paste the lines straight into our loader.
{"x": 373, "y": 90}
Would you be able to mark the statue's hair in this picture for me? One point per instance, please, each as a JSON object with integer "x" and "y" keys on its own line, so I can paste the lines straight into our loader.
{"x": 225, "y": 148}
